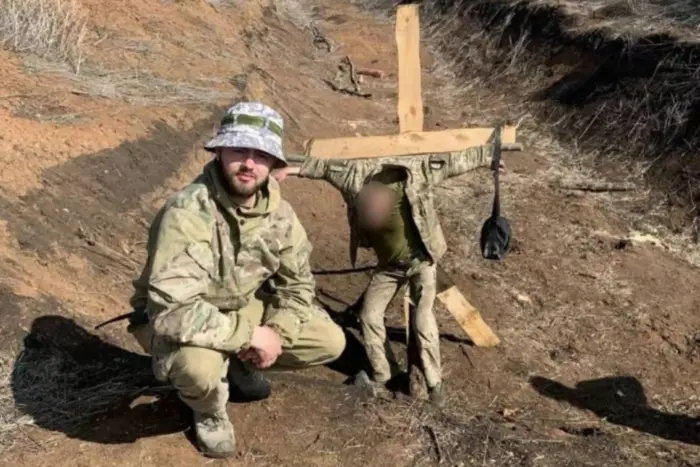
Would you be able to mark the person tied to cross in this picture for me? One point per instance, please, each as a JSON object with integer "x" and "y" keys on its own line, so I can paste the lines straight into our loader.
{"x": 391, "y": 209}
{"x": 227, "y": 287}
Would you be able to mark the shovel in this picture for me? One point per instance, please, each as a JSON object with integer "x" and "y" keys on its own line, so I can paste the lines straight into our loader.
{"x": 495, "y": 233}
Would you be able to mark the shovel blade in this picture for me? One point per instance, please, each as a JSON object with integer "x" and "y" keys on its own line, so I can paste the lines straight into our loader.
{"x": 495, "y": 238}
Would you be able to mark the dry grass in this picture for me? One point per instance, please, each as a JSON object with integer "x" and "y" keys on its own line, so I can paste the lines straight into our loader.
{"x": 610, "y": 84}
{"x": 136, "y": 88}
{"x": 66, "y": 379}
{"x": 295, "y": 11}
{"x": 634, "y": 18}
{"x": 51, "y": 29}
{"x": 62, "y": 390}
{"x": 62, "y": 386}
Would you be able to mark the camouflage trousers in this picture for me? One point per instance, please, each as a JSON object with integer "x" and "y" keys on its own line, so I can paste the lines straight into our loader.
{"x": 421, "y": 277}
{"x": 200, "y": 375}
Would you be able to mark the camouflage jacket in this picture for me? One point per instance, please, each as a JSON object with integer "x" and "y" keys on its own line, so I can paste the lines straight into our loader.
{"x": 424, "y": 171}
{"x": 207, "y": 258}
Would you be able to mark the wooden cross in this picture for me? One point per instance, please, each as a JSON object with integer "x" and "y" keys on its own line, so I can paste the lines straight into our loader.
{"x": 412, "y": 140}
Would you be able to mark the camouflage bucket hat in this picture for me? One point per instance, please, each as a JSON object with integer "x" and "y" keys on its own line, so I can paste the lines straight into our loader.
{"x": 251, "y": 125}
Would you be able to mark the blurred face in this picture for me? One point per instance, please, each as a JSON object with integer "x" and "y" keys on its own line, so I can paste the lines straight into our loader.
{"x": 245, "y": 169}
{"x": 374, "y": 205}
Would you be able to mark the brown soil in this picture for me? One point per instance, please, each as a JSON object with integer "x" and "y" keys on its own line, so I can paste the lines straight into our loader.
{"x": 597, "y": 364}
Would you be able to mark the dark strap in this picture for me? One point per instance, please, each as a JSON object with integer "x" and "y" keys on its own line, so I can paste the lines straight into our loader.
{"x": 136, "y": 318}
{"x": 496, "y": 162}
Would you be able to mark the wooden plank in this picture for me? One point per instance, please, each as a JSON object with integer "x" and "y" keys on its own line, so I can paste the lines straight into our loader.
{"x": 465, "y": 313}
{"x": 468, "y": 317}
{"x": 404, "y": 144}
{"x": 410, "y": 107}
{"x": 410, "y": 99}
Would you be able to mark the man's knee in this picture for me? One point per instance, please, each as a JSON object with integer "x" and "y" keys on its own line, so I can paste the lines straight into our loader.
{"x": 324, "y": 342}
{"x": 375, "y": 302}
{"x": 321, "y": 341}
{"x": 195, "y": 371}
{"x": 334, "y": 344}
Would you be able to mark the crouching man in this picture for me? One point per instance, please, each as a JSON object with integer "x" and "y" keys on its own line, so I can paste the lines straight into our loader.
{"x": 391, "y": 209}
{"x": 227, "y": 288}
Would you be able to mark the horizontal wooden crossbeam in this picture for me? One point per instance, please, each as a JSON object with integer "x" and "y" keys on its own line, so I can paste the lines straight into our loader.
{"x": 404, "y": 144}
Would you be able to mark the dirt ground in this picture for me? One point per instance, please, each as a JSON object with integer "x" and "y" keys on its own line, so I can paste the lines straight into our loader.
{"x": 598, "y": 320}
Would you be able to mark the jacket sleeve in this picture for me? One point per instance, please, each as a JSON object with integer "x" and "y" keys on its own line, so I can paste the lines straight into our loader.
{"x": 453, "y": 164}
{"x": 293, "y": 286}
{"x": 346, "y": 176}
{"x": 182, "y": 268}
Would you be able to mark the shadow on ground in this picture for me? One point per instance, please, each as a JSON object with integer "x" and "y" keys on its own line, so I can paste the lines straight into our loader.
{"x": 69, "y": 380}
{"x": 91, "y": 188}
{"x": 621, "y": 400}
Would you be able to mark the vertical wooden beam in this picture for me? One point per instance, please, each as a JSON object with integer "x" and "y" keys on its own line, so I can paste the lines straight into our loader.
{"x": 410, "y": 108}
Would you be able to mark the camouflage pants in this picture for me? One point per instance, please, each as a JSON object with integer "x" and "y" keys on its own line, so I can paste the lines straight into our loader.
{"x": 421, "y": 277}
{"x": 200, "y": 374}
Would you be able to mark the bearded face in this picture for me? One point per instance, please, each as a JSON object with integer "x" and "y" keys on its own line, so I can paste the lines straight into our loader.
{"x": 246, "y": 170}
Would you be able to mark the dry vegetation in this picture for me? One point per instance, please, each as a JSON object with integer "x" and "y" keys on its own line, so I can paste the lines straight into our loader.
{"x": 52, "y": 29}
{"x": 135, "y": 87}
{"x": 620, "y": 95}
{"x": 62, "y": 380}
{"x": 616, "y": 82}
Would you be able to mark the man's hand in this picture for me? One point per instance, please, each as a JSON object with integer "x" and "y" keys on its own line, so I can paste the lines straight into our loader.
{"x": 281, "y": 174}
{"x": 265, "y": 347}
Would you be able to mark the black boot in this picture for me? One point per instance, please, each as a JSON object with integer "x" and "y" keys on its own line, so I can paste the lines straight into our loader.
{"x": 246, "y": 382}
{"x": 371, "y": 387}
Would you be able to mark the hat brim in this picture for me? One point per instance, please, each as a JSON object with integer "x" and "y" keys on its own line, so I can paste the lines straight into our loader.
{"x": 249, "y": 140}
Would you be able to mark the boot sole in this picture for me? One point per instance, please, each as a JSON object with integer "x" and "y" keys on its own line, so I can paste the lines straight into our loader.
{"x": 216, "y": 455}
{"x": 213, "y": 455}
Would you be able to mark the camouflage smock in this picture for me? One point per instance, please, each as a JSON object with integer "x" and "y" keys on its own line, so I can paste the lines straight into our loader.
{"x": 207, "y": 257}
{"x": 424, "y": 171}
